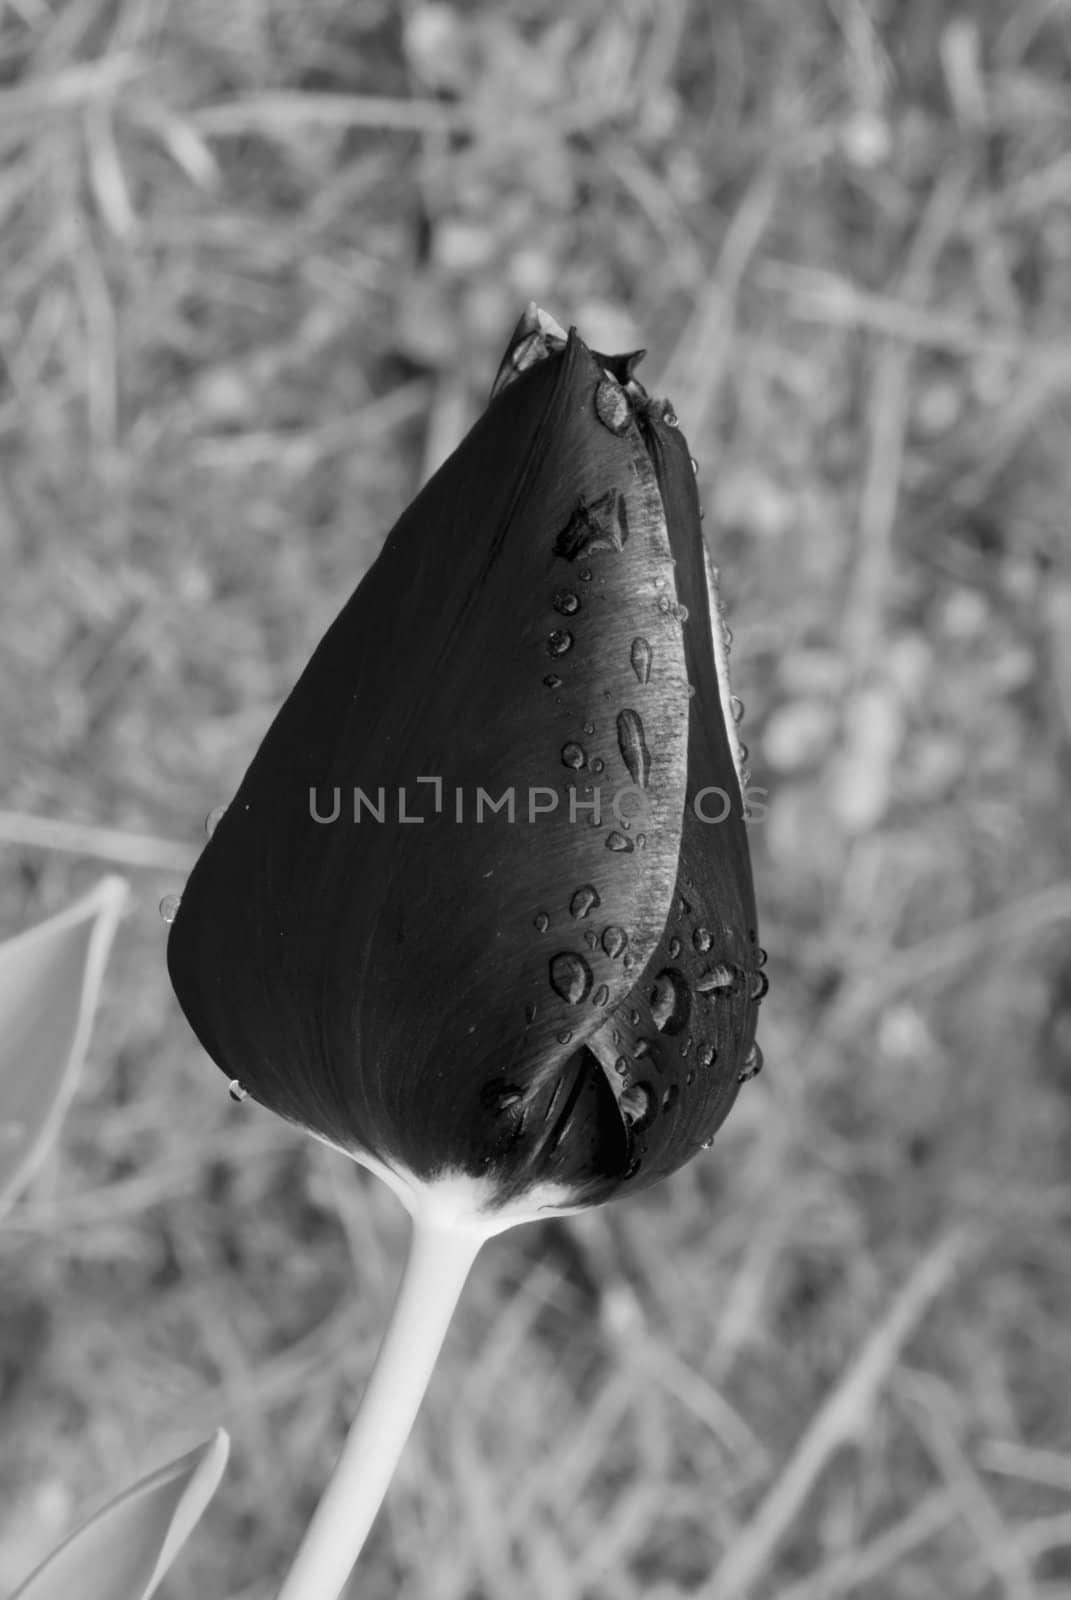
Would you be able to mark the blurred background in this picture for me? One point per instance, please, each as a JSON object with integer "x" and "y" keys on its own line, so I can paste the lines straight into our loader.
{"x": 258, "y": 262}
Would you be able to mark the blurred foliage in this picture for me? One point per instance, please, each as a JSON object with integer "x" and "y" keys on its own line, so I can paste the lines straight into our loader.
{"x": 257, "y": 264}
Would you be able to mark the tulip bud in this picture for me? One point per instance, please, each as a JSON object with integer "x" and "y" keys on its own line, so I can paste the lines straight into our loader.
{"x": 481, "y": 911}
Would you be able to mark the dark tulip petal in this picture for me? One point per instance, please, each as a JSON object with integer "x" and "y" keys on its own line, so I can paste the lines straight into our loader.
{"x": 697, "y": 989}
{"x": 421, "y": 990}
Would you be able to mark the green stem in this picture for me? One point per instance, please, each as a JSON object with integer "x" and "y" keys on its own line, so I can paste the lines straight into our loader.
{"x": 435, "y": 1271}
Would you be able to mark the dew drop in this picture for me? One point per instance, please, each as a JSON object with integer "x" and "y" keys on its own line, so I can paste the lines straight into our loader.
{"x": 736, "y": 706}
{"x": 761, "y": 957}
{"x": 641, "y": 841}
{"x": 541, "y": 922}
{"x": 684, "y": 907}
{"x": 589, "y": 728}
{"x": 573, "y": 755}
{"x": 612, "y": 407}
{"x": 634, "y": 1017}
{"x": 689, "y": 1079}
{"x": 591, "y": 940}
{"x": 681, "y": 614}
{"x": 706, "y": 1055}
{"x": 686, "y": 1044}
{"x": 665, "y": 604}
{"x": 597, "y": 765}
{"x": 566, "y": 1036}
{"x": 702, "y": 938}
{"x": 565, "y": 602}
{"x": 530, "y": 1012}
{"x": 674, "y": 948}
{"x": 744, "y": 753}
{"x": 601, "y": 995}
{"x": 694, "y": 464}
{"x": 570, "y": 976}
{"x": 213, "y": 819}
{"x": 753, "y": 1064}
{"x": 552, "y": 681}
{"x": 760, "y": 986}
{"x": 614, "y": 941}
{"x": 585, "y": 899}
{"x": 641, "y": 656}
{"x": 169, "y": 906}
{"x": 669, "y": 416}
{"x": 621, "y": 1066}
{"x": 706, "y": 1143}
{"x": 617, "y": 841}
{"x": 637, "y": 1104}
{"x": 584, "y": 574}
{"x": 237, "y": 1092}
{"x": 669, "y": 1099}
{"x": 719, "y": 977}
{"x": 633, "y": 746}
{"x": 559, "y": 642}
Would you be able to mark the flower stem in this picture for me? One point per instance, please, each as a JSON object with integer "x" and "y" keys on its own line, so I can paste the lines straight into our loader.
{"x": 436, "y": 1267}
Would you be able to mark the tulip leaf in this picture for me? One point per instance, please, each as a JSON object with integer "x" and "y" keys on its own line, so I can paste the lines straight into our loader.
{"x": 124, "y": 1551}
{"x": 50, "y": 977}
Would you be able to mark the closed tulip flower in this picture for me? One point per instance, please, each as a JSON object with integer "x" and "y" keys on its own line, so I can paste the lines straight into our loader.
{"x": 481, "y": 911}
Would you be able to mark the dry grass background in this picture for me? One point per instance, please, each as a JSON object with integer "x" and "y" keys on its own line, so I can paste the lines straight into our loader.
{"x": 257, "y": 263}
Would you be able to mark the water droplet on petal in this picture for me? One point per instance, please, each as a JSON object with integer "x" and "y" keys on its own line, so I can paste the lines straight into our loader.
{"x": 573, "y": 755}
{"x": 637, "y": 1104}
{"x": 702, "y": 938}
{"x": 686, "y": 1044}
{"x": 559, "y": 642}
{"x": 694, "y": 464}
{"x": 591, "y": 940}
{"x": 614, "y": 941}
{"x": 584, "y": 574}
{"x": 566, "y": 602}
{"x": 641, "y": 656}
{"x": 589, "y": 728}
{"x": 689, "y": 1079}
{"x": 706, "y": 1055}
{"x": 169, "y": 906}
{"x": 565, "y": 1037}
{"x": 621, "y": 1066}
{"x": 753, "y": 1064}
{"x": 761, "y": 957}
{"x": 674, "y": 948}
{"x": 633, "y": 746}
{"x": 597, "y": 765}
{"x": 760, "y": 986}
{"x": 669, "y": 416}
{"x": 612, "y": 407}
{"x": 601, "y": 995}
{"x": 665, "y": 604}
{"x": 541, "y": 922}
{"x": 237, "y": 1092}
{"x": 719, "y": 977}
{"x": 669, "y": 1099}
{"x": 736, "y": 706}
{"x": 570, "y": 976}
{"x": 213, "y": 819}
{"x": 585, "y": 899}
{"x": 552, "y": 681}
{"x": 617, "y": 841}
{"x": 530, "y": 1011}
